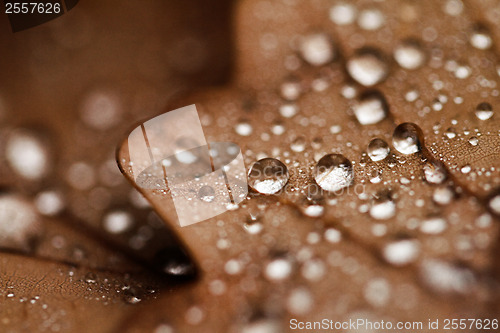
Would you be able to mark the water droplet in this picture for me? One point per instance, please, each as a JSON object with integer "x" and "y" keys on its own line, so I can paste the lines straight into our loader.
{"x": 313, "y": 270}
{"x": 278, "y": 269}
{"x": 377, "y": 292}
{"x": 291, "y": 89}
{"x": 445, "y": 277}
{"x": 367, "y": 67}
{"x": 453, "y": 7}
{"x": 278, "y": 128}
{"x": 401, "y": 252}
{"x": 433, "y": 226}
{"x": 194, "y": 315}
{"x": 206, "y": 193}
{"x": 289, "y": 110}
{"x": 268, "y": 176}
{"x": 90, "y": 277}
{"x": 494, "y": 204}
{"x": 378, "y": 149}
{"x": 342, "y": 13}
{"x": 118, "y": 221}
{"x": 131, "y": 295}
{"x": 20, "y": 225}
{"x": 313, "y": 210}
{"x": 474, "y": 141}
{"x": 333, "y": 172}
{"x": 409, "y": 54}
{"x": 253, "y": 226}
{"x": 28, "y": 154}
{"x": 175, "y": 262}
{"x": 49, "y": 203}
{"x": 407, "y": 138}
{"x": 480, "y": 38}
{"x": 244, "y": 128}
{"x": 466, "y": 169}
{"x": 435, "y": 173}
{"x": 443, "y": 195}
{"x": 450, "y": 133}
{"x": 333, "y": 235}
{"x": 371, "y": 108}
{"x": 299, "y": 301}
{"x": 101, "y": 110}
{"x": 299, "y": 144}
{"x": 371, "y": 19}
{"x": 484, "y": 111}
{"x": 383, "y": 207}
{"x": 317, "y": 49}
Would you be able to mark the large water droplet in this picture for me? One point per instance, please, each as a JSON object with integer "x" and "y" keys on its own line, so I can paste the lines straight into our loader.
{"x": 378, "y": 149}
{"x": 407, "y": 138}
{"x": 268, "y": 176}
{"x": 334, "y": 172}
{"x": 367, "y": 67}
{"x": 409, "y": 54}
{"x": 371, "y": 108}
{"x": 317, "y": 49}
{"x": 484, "y": 111}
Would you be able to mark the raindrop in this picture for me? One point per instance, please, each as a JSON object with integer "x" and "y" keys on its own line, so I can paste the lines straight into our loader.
{"x": 371, "y": 108}
{"x": 334, "y": 172}
{"x": 244, "y": 128}
{"x": 206, "y": 193}
{"x": 435, "y": 173}
{"x": 28, "y": 154}
{"x": 291, "y": 89}
{"x": 445, "y": 277}
{"x": 409, "y": 54}
{"x": 117, "y": 222}
{"x": 342, "y": 14}
{"x": 289, "y": 110}
{"x": 401, "y": 252}
{"x": 278, "y": 269}
{"x": 473, "y": 141}
{"x": 371, "y": 19}
{"x": 407, "y": 138}
{"x": 484, "y": 111}
{"x": 433, "y": 226}
{"x": 367, "y": 67}
{"x": 317, "y": 49}
{"x": 383, "y": 207}
{"x": 494, "y": 204}
{"x": 378, "y": 149}
{"x": 480, "y": 38}
{"x": 268, "y": 176}
{"x": 299, "y": 144}
{"x": 101, "y": 110}
{"x": 20, "y": 225}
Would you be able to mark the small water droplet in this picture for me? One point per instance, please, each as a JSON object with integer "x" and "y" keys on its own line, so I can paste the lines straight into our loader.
{"x": 291, "y": 89}
{"x": 49, "y": 203}
{"x": 401, "y": 252}
{"x": 371, "y": 19}
{"x": 333, "y": 172}
{"x": 278, "y": 269}
{"x": 278, "y": 128}
{"x": 443, "y": 195}
{"x": 244, "y": 128}
{"x": 28, "y": 154}
{"x": 206, "y": 193}
{"x": 466, "y": 169}
{"x": 433, "y": 226}
{"x": 383, "y": 207}
{"x": 342, "y": 13}
{"x": 435, "y": 173}
{"x": 317, "y": 49}
{"x": 484, "y": 111}
{"x": 90, "y": 277}
{"x": 131, "y": 295}
{"x": 494, "y": 204}
{"x": 289, "y": 110}
{"x": 253, "y": 226}
{"x": 368, "y": 67}
{"x": 480, "y": 38}
{"x": 377, "y": 292}
{"x": 299, "y": 144}
{"x": 299, "y": 301}
{"x": 445, "y": 277}
{"x": 473, "y": 141}
{"x": 268, "y": 176}
{"x": 378, "y": 149}
{"x": 450, "y": 133}
{"x": 407, "y": 138}
{"x": 409, "y": 54}
{"x": 118, "y": 221}
{"x": 371, "y": 108}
